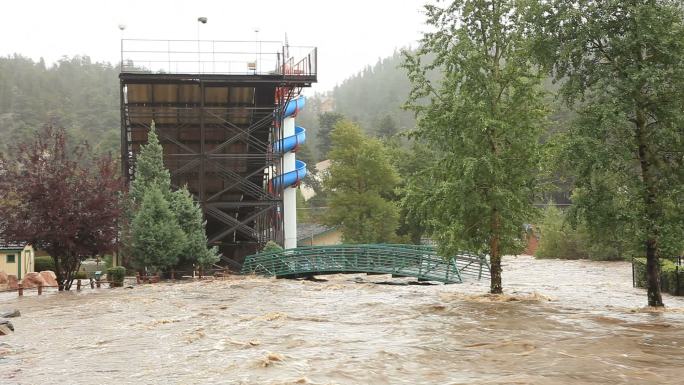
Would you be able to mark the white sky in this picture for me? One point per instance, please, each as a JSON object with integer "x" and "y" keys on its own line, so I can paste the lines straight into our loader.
{"x": 349, "y": 34}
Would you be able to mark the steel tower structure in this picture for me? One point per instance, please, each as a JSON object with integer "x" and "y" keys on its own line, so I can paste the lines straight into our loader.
{"x": 218, "y": 107}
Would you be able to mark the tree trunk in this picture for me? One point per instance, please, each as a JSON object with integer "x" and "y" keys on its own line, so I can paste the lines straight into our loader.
{"x": 495, "y": 254}
{"x": 59, "y": 273}
{"x": 652, "y": 214}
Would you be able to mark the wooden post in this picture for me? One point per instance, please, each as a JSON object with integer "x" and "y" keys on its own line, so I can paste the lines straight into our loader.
{"x": 40, "y": 289}
{"x": 78, "y": 285}
{"x": 20, "y": 289}
{"x": 173, "y": 274}
{"x": 137, "y": 278}
{"x": 97, "y": 284}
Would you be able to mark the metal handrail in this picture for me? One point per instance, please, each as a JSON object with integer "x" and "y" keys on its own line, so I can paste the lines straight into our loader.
{"x": 401, "y": 260}
{"x": 238, "y": 57}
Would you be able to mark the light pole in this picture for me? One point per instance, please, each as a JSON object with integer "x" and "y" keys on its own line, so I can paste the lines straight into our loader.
{"x": 200, "y": 20}
{"x": 122, "y": 27}
{"x": 256, "y": 50}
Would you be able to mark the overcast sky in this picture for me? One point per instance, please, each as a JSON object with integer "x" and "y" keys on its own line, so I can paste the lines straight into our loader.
{"x": 349, "y": 34}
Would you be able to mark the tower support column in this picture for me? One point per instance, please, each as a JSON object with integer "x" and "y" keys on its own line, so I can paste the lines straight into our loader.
{"x": 290, "y": 193}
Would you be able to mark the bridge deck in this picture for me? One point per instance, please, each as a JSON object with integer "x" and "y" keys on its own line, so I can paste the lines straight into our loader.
{"x": 421, "y": 262}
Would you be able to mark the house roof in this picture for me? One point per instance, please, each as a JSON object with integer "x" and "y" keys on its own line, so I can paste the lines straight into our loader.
{"x": 7, "y": 245}
{"x": 308, "y": 230}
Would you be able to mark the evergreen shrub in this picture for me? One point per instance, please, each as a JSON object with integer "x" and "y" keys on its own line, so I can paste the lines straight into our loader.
{"x": 116, "y": 275}
{"x": 44, "y": 263}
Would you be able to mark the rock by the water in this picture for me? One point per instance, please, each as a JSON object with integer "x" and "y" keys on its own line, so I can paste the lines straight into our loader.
{"x": 49, "y": 277}
{"x": 6, "y": 327}
{"x": 33, "y": 280}
{"x": 12, "y": 281}
{"x": 10, "y": 314}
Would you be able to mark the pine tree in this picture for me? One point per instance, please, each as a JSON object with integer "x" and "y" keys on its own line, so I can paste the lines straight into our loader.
{"x": 149, "y": 169}
{"x": 386, "y": 127}
{"x": 327, "y": 122}
{"x": 157, "y": 238}
{"x": 190, "y": 219}
{"x": 149, "y": 172}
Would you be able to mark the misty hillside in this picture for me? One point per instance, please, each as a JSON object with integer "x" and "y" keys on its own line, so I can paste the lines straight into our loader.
{"x": 370, "y": 97}
{"x": 374, "y": 93}
{"x": 76, "y": 93}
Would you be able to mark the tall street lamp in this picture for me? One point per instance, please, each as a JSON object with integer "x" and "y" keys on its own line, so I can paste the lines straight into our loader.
{"x": 200, "y": 20}
{"x": 122, "y": 27}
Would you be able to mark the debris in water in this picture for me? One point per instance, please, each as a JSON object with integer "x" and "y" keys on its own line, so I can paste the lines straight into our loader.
{"x": 10, "y": 314}
{"x": 270, "y": 359}
{"x": 273, "y": 316}
{"x": 488, "y": 297}
{"x": 6, "y": 327}
{"x": 246, "y": 344}
{"x": 162, "y": 322}
{"x": 197, "y": 335}
{"x": 302, "y": 380}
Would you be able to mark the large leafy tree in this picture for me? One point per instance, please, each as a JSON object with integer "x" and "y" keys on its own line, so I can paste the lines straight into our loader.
{"x": 64, "y": 201}
{"x": 483, "y": 120}
{"x": 622, "y": 67}
{"x": 360, "y": 183}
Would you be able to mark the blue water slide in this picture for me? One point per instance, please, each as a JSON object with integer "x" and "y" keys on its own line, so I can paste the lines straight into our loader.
{"x": 291, "y": 142}
{"x": 294, "y": 105}
{"x": 288, "y": 144}
{"x": 290, "y": 178}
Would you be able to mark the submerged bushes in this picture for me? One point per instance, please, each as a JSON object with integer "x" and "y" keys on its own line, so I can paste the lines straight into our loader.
{"x": 116, "y": 275}
{"x": 671, "y": 275}
{"x": 562, "y": 239}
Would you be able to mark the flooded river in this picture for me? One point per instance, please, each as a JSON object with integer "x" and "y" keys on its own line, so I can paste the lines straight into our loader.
{"x": 563, "y": 322}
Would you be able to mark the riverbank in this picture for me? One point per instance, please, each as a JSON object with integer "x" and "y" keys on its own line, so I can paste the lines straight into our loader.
{"x": 563, "y": 322}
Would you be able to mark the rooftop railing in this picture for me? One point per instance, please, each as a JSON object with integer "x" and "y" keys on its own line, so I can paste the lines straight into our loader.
{"x": 217, "y": 57}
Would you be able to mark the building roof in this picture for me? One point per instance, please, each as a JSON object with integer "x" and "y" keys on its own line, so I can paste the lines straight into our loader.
{"x": 5, "y": 245}
{"x": 320, "y": 167}
{"x": 308, "y": 230}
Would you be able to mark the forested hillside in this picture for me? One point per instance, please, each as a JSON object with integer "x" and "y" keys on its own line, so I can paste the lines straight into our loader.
{"x": 375, "y": 93}
{"x": 75, "y": 93}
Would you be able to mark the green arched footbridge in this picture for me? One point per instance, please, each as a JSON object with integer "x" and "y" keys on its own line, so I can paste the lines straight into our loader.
{"x": 421, "y": 262}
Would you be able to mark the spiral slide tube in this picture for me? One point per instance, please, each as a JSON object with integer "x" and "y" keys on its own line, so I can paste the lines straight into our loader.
{"x": 293, "y": 170}
{"x": 289, "y": 143}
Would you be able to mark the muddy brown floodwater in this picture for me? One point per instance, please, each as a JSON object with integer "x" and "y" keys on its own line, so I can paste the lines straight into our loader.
{"x": 563, "y": 322}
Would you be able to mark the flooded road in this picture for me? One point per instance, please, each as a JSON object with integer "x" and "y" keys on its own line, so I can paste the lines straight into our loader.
{"x": 563, "y": 322}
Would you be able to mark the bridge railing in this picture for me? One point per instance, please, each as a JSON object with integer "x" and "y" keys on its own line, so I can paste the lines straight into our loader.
{"x": 401, "y": 260}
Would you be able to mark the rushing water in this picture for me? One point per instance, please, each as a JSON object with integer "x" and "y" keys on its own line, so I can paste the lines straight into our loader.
{"x": 563, "y": 322}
